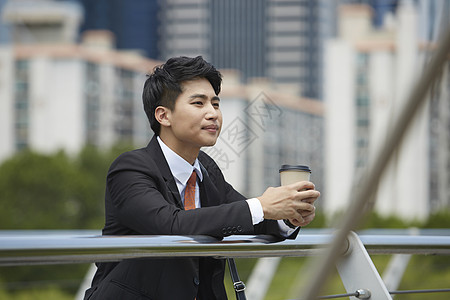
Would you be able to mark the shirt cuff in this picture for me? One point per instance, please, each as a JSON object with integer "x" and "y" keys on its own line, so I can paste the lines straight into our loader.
{"x": 256, "y": 210}
{"x": 284, "y": 229}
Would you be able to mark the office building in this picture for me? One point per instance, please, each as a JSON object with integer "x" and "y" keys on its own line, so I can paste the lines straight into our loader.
{"x": 279, "y": 40}
{"x": 64, "y": 97}
{"x": 184, "y": 28}
{"x": 370, "y": 73}
{"x": 4, "y": 30}
{"x": 134, "y": 23}
{"x": 42, "y": 21}
{"x": 57, "y": 94}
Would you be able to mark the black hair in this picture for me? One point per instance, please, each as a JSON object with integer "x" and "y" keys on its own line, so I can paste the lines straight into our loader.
{"x": 164, "y": 85}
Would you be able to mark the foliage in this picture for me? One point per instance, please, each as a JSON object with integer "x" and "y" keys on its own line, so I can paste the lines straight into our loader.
{"x": 39, "y": 191}
{"x": 51, "y": 293}
{"x": 319, "y": 221}
{"x": 375, "y": 220}
{"x": 44, "y": 192}
{"x": 426, "y": 272}
{"x": 440, "y": 219}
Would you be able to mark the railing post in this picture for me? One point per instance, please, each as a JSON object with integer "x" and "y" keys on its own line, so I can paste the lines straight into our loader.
{"x": 394, "y": 271}
{"x": 358, "y": 273}
{"x": 261, "y": 277}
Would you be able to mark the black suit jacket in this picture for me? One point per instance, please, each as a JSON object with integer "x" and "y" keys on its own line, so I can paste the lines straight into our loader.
{"x": 142, "y": 198}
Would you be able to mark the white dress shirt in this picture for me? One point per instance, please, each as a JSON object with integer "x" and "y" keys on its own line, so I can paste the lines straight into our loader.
{"x": 182, "y": 170}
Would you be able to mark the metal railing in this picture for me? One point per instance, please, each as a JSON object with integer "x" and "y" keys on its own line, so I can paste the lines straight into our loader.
{"x": 356, "y": 269}
{"x": 53, "y": 246}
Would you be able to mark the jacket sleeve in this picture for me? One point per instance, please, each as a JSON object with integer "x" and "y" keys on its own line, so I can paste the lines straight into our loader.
{"x": 269, "y": 227}
{"x": 138, "y": 201}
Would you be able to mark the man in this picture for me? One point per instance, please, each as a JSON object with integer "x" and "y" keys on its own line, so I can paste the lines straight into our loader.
{"x": 172, "y": 188}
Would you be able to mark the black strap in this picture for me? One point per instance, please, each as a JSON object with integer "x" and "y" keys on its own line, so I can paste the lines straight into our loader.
{"x": 239, "y": 286}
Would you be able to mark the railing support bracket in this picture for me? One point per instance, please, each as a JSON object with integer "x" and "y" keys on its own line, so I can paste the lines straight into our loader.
{"x": 358, "y": 273}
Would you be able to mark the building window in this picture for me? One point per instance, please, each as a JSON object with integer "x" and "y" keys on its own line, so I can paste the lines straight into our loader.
{"x": 21, "y": 104}
{"x": 362, "y": 104}
{"x": 123, "y": 105}
{"x": 92, "y": 98}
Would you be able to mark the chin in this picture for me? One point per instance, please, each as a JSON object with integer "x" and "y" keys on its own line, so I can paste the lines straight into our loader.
{"x": 209, "y": 143}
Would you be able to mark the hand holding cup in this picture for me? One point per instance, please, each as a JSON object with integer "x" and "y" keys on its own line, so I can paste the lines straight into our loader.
{"x": 290, "y": 174}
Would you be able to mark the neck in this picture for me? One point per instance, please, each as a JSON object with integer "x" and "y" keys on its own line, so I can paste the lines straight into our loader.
{"x": 189, "y": 154}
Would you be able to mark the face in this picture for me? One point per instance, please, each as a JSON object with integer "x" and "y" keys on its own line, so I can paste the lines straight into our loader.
{"x": 196, "y": 119}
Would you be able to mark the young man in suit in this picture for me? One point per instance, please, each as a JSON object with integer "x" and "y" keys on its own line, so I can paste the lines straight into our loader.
{"x": 147, "y": 188}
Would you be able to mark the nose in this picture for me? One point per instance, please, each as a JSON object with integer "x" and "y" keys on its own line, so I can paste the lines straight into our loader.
{"x": 212, "y": 112}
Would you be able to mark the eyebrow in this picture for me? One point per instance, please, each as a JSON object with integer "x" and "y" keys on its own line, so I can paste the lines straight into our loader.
{"x": 203, "y": 96}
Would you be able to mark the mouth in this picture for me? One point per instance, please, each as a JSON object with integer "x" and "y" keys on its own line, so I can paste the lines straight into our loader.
{"x": 211, "y": 128}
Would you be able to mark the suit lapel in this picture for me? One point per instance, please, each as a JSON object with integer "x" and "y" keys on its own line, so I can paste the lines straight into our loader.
{"x": 158, "y": 157}
{"x": 209, "y": 195}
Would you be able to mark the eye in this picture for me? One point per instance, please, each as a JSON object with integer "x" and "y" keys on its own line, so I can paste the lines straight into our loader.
{"x": 216, "y": 104}
{"x": 197, "y": 102}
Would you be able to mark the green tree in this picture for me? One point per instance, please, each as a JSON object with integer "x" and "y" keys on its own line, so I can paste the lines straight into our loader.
{"x": 39, "y": 191}
{"x": 36, "y": 192}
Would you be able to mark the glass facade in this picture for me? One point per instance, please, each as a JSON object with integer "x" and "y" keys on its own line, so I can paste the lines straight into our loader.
{"x": 439, "y": 146}
{"x": 184, "y": 29}
{"x": 238, "y": 34}
{"x": 362, "y": 112}
{"x": 92, "y": 97}
{"x": 21, "y": 104}
{"x": 134, "y": 23}
{"x": 280, "y": 40}
{"x": 123, "y": 105}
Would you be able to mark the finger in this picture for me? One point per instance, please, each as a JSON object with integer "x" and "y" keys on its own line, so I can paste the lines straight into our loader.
{"x": 309, "y": 194}
{"x": 296, "y": 222}
{"x": 300, "y": 206}
{"x": 302, "y": 185}
{"x": 307, "y": 220}
{"x": 309, "y": 200}
{"x": 295, "y": 215}
{"x": 306, "y": 213}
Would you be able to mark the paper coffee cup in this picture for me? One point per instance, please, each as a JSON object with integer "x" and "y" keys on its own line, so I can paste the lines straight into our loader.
{"x": 294, "y": 173}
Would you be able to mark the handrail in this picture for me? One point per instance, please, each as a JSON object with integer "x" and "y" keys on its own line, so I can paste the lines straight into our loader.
{"x": 53, "y": 247}
{"x": 356, "y": 268}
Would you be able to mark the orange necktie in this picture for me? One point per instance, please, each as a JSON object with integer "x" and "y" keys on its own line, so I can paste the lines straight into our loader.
{"x": 189, "y": 193}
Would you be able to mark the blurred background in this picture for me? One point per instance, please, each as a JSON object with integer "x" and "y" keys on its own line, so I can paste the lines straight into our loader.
{"x": 305, "y": 82}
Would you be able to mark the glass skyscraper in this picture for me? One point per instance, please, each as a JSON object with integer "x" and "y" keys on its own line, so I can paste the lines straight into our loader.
{"x": 279, "y": 40}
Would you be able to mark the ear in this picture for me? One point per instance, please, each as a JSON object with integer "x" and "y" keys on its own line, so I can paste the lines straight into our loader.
{"x": 162, "y": 115}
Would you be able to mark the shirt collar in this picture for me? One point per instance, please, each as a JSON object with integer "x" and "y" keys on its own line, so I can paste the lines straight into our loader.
{"x": 179, "y": 167}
